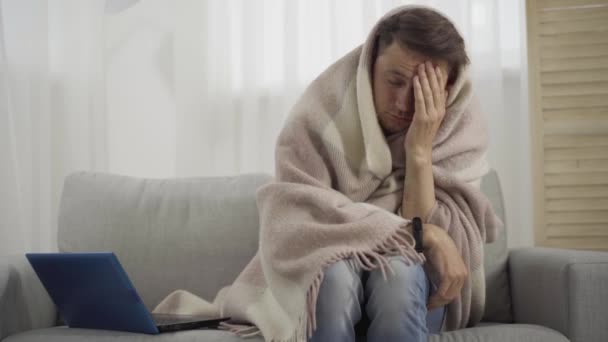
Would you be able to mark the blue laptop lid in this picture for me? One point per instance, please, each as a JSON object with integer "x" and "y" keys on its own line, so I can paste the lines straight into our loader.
{"x": 92, "y": 290}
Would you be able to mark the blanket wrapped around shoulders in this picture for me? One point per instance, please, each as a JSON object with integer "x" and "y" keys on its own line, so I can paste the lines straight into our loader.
{"x": 336, "y": 194}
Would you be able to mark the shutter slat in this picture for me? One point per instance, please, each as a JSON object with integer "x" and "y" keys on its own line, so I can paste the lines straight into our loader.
{"x": 574, "y": 64}
{"x": 575, "y": 230}
{"x": 579, "y": 153}
{"x": 590, "y": 125}
{"x": 587, "y": 178}
{"x": 588, "y": 88}
{"x": 564, "y": 192}
{"x": 574, "y": 14}
{"x": 579, "y": 101}
{"x": 591, "y": 204}
{"x": 591, "y": 243}
{"x": 565, "y": 51}
{"x": 575, "y": 26}
{"x": 573, "y": 39}
{"x": 576, "y": 166}
{"x": 567, "y": 77}
{"x": 556, "y": 141}
{"x": 543, "y": 5}
{"x": 597, "y": 113}
{"x": 577, "y": 217}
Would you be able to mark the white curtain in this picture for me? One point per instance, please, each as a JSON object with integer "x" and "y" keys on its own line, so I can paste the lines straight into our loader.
{"x": 52, "y": 112}
{"x": 185, "y": 88}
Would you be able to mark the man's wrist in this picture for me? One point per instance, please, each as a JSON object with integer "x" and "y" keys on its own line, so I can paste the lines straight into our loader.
{"x": 418, "y": 159}
{"x": 430, "y": 235}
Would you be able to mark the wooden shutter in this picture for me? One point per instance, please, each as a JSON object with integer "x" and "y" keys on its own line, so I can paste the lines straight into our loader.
{"x": 568, "y": 84}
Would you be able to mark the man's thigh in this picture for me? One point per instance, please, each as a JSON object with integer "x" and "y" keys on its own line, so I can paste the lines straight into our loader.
{"x": 341, "y": 287}
{"x": 407, "y": 283}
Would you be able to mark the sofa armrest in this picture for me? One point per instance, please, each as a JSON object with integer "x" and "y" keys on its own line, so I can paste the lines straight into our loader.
{"x": 24, "y": 303}
{"x": 566, "y": 290}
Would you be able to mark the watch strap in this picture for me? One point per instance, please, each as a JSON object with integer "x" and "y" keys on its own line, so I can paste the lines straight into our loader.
{"x": 418, "y": 234}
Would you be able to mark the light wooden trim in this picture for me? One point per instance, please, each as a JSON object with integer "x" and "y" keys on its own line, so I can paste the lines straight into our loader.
{"x": 568, "y": 94}
{"x": 536, "y": 123}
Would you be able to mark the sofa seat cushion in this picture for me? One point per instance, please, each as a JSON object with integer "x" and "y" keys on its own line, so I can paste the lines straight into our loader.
{"x": 498, "y": 332}
{"x": 484, "y": 332}
{"x": 64, "y": 334}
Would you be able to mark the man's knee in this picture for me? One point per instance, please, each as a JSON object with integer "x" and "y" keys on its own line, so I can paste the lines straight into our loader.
{"x": 401, "y": 293}
{"x": 340, "y": 291}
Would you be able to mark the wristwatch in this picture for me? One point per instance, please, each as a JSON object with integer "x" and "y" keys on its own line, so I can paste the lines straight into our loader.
{"x": 417, "y": 223}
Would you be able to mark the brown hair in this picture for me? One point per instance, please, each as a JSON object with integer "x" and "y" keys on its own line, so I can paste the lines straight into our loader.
{"x": 425, "y": 31}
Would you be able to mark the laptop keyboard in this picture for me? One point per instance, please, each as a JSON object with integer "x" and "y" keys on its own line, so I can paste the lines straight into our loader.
{"x": 160, "y": 319}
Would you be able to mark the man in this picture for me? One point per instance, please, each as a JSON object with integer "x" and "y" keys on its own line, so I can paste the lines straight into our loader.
{"x": 415, "y": 52}
{"x": 386, "y": 136}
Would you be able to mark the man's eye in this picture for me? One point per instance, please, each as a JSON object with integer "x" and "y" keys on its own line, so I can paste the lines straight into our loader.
{"x": 395, "y": 83}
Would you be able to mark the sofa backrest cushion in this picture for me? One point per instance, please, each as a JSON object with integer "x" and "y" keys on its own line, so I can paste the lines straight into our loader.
{"x": 195, "y": 234}
{"x": 498, "y": 293}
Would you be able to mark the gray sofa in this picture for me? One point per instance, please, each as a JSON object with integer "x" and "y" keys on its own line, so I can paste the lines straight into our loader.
{"x": 198, "y": 234}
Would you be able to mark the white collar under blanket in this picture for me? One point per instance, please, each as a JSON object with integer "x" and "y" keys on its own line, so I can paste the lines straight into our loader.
{"x": 335, "y": 195}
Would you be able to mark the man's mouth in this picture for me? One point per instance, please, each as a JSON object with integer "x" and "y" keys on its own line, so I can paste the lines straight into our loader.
{"x": 402, "y": 118}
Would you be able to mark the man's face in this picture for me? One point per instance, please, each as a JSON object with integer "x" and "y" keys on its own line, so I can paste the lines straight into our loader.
{"x": 393, "y": 88}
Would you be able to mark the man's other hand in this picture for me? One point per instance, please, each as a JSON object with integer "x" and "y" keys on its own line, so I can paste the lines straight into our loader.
{"x": 449, "y": 270}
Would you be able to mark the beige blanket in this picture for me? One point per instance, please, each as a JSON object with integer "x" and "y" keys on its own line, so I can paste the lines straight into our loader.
{"x": 339, "y": 182}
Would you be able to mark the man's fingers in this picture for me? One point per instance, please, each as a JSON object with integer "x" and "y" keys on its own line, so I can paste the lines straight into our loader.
{"x": 444, "y": 287}
{"x": 437, "y": 90}
{"x": 426, "y": 89}
{"x": 420, "y": 105}
{"x": 433, "y": 303}
{"x": 440, "y": 77}
{"x": 436, "y": 301}
{"x": 447, "y": 291}
{"x": 454, "y": 289}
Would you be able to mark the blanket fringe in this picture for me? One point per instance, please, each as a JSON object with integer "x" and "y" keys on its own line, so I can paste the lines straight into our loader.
{"x": 399, "y": 243}
{"x": 240, "y": 329}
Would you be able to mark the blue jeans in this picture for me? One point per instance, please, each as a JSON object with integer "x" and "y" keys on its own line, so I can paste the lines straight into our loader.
{"x": 395, "y": 308}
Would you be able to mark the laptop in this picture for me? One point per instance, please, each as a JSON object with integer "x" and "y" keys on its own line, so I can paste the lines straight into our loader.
{"x": 93, "y": 291}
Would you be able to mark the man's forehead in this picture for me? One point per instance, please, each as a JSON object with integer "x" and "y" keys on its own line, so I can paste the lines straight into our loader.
{"x": 402, "y": 60}
{"x": 401, "y": 72}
